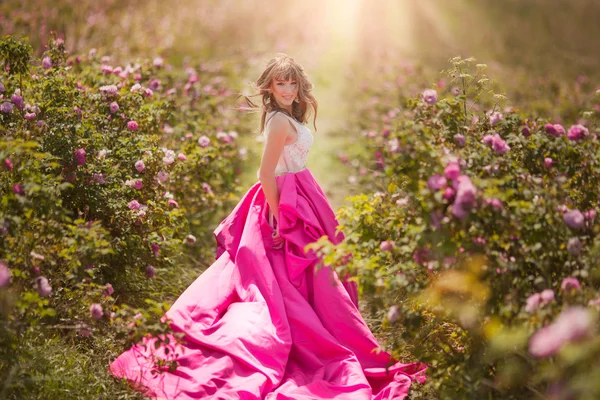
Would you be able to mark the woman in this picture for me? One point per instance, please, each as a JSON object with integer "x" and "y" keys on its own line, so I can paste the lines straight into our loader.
{"x": 263, "y": 322}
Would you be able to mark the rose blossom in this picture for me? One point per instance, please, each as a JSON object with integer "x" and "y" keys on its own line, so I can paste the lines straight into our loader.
{"x": 452, "y": 170}
{"x": 570, "y": 282}
{"x": 139, "y": 165}
{"x": 436, "y": 182}
{"x": 190, "y": 239}
{"x": 393, "y": 314}
{"x": 96, "y": 311}
{"x": 574, "y": 246}
{"x": 460, "y": 140}
{"x": 47, "y": 62}
{"x": 44, "y": 288}
{"x": 387, "y": 245}
{"x": 577, "y": 132}
{"x": 79, "y": 155}
{"x": 132, "y": 125}
{"x": 495, "y": 118}
{"x": 162, "y": 176}
{"x": 574, "y": 219}
{"x": 430, "y": 96}
{"x": 134, "y": 205}
{"x": 204, "y": 141}
{"x": 4, "y": 275}
{"x": 533, "y": 302}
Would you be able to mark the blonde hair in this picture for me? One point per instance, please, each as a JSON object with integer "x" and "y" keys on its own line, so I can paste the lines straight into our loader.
{"x": 283, "y": 67}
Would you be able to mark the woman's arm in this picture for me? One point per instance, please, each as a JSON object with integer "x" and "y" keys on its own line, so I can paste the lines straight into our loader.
{"x": 276, "y": 136}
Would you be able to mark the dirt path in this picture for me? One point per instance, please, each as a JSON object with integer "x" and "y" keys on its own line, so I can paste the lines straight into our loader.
{"x": 351, "y": 31}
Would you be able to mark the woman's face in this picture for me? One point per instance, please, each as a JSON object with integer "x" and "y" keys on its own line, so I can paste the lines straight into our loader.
{"x": 284, "y": 91}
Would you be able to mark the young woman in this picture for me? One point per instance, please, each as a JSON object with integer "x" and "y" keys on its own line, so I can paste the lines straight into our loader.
{"x": 263, "y": 322}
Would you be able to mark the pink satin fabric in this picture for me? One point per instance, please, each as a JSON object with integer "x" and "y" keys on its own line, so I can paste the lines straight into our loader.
{"x": 261, "y": 324}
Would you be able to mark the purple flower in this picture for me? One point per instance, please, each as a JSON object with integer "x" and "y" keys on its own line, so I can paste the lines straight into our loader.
{"x": 8, "y": 164}
{"x": 495, "y": 203}
{"x": 436, "y": 182}
{"x": 548, "y": 162}
{"x": 495, "y": 118}
{"x": 554, "y": 129}
{"x": 139, "y": 165}
{"x": 155, "y": 249}
{"x": 135, "y": 88}
{"x": 488, "y": 140}
{"x": 108, "y": 290}
{"x": 6, "y": 107}
{"x": 465, "y": 196}
{"x": 150, "y": 271}
{"x": 47, "y": 62}
{"x": 387, "y": 245}
{"x": 430, "y": 96}
{"x": 449, "y": 193}
{"x": 499, "y": 145}
{"x": 2, "y": 88}
{"x": 570, "y": 282}
{"x": 533, "y": 302}
{"x": 577, "y": 132}
{"x": 526, "y": 132}
{"x": 573, "y": 323}
{"x": 109, "y": 89}
{"x": 545, "y": 342}
{"x": 460, "y": 140}
{"x": 132, "y": 125}
{"x": 560, "y": 130}
{"x": 547, "y": 295}
{"x": 207, "y": 188}
{"x": 590, "y": 215}
{"x": 96, "y": 311}
{"x": 574, "y": 246}
{"x": 162, "y": 176}
{"x": 173, "y": 203}
{"x": 44, "y": 288}
{"x": 190, "y": 239}
{"x": 204, "y": 141}
{"x": 79, "y": 155}
{"x": 158, "y": 61}
{"x": 114, "y": 107}
{"x": 574, "y": 219}
{"x": 393, "y": 314}
{"x": 137, "y": 184}
{"x": 17, "y": 101}
{"x": 18, "y": 189}
{"x": 30, "y": 116}
{"x": 452, "y": 170}
{"x": 134, "y": 205}
{"x": 100, "y": 178}
{"x": 4, "y": 275}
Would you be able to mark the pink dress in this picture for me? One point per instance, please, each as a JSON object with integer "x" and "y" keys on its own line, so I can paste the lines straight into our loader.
{"x": 260, "y": 323}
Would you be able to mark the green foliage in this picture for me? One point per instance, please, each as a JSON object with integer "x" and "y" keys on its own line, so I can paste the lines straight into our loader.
{"x": 15, "y": 55}
{"x": 454, "y": 285}
{"x": 82, "y": 222}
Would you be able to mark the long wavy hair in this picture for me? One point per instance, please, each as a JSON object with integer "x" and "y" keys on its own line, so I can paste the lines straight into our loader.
{"x": 283, "y": 67}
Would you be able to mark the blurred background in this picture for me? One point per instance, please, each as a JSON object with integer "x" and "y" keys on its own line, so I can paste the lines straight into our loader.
{"x": 343, "y": 44}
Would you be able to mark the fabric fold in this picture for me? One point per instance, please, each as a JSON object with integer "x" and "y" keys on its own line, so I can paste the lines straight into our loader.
{"x": 268, "y": 324}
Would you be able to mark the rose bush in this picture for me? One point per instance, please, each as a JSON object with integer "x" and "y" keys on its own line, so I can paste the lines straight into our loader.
{"x": 479, "y": 254}
{"x": 109, "y": 173}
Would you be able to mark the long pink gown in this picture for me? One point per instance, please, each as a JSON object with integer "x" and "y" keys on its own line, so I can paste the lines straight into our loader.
{"x": 262, "y": 323}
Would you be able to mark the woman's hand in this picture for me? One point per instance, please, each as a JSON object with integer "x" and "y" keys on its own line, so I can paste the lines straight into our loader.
{"x": 277, "y": 240}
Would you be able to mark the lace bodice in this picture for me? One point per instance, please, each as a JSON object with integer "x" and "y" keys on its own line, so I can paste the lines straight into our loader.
{"x": 293, "y": 156}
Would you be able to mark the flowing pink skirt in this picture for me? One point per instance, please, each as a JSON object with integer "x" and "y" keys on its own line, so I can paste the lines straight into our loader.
{"x": 262, "y": 324}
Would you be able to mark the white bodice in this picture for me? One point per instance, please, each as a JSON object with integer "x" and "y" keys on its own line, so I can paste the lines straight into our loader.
{"x": 293, "y": 156}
